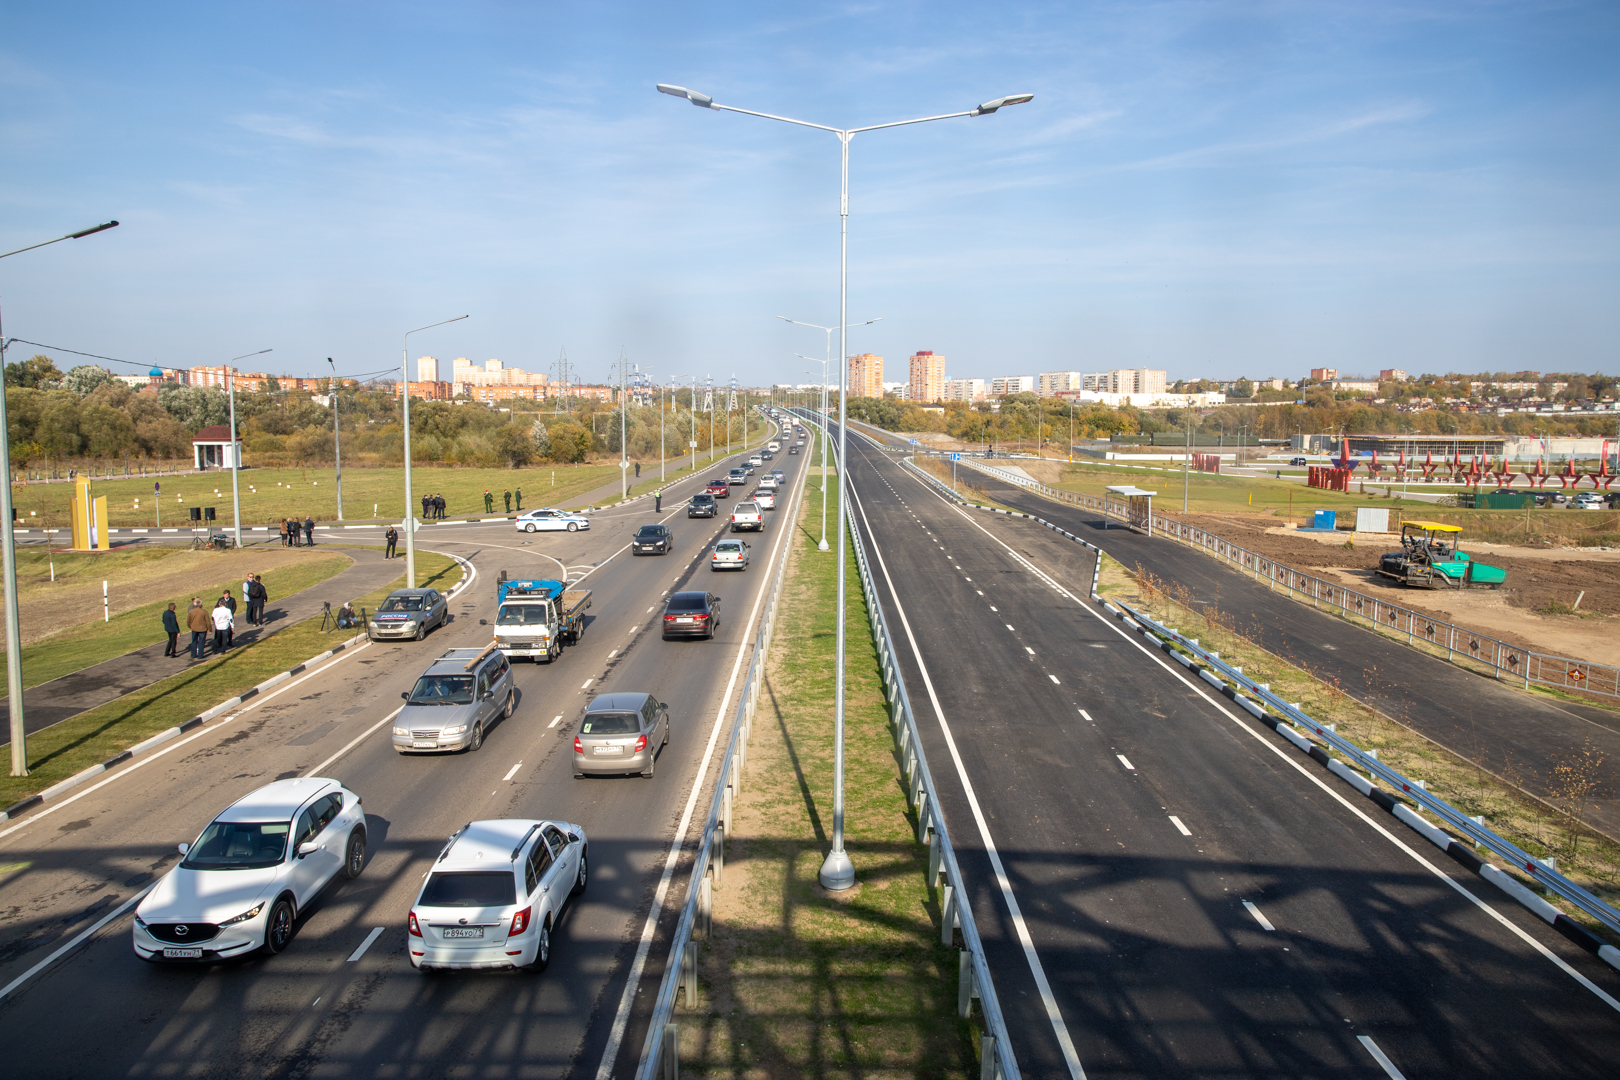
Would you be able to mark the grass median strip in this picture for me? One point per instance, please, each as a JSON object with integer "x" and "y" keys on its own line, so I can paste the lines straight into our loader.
{"x": 79, "y": 742}
{"x": 797, "y": 981}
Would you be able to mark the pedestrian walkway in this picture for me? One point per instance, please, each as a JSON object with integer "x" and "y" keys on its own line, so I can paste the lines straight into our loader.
{"x": 1519, "y": 736}
{"x": 74, "y": 693}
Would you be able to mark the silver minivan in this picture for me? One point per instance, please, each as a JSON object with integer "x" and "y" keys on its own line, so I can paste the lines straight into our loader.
{"x": 455, "y": 702}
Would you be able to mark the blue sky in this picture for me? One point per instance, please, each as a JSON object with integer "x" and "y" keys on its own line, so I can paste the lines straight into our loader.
{"x": 1212, "y": 188}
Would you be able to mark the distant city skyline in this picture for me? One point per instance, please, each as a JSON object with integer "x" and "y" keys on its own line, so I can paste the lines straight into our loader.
{"x": 1212, "y": 190}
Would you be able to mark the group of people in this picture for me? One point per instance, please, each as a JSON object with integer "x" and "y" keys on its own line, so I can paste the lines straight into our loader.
{"x": 220, "y": 620}
{"x": 432, "y": 507}
{"x": 292, "y": 530}
{"x": 489, "y": 501}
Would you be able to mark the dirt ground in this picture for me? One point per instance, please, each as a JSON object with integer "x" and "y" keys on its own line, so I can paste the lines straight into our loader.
{"x": 154, "y": 573}
{"x": 1521, "y": 612}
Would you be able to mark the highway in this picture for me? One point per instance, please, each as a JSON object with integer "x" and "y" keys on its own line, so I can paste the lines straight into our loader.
{"x": 1166, "y": 889}
{"x": 341, "y": 1001}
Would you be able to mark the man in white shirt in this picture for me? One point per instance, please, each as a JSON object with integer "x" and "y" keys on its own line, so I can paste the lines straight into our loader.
{"x": 224, "y": 622}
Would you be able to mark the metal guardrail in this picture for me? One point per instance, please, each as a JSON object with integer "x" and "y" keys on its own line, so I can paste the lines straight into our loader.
{"x": 974, "y": 976}
{"x": 1469, "y": 827}
{"x": 660, "y": 1052}
{"x": 1503, "y": 660}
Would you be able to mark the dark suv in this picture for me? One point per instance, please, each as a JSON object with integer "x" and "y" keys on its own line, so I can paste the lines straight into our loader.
{"x": 650, "y": 538}
{"x": 702, "y": 505}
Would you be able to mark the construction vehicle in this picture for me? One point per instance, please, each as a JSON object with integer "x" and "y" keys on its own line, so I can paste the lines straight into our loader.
{"x": 536, "y": 617}
{"x": 1431, "y": 558}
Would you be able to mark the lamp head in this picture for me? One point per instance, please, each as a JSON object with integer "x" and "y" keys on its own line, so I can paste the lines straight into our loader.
{"x": 93, "y": 229}
{"x": 702, "y": 101}
{"x": 1001, "y": 102}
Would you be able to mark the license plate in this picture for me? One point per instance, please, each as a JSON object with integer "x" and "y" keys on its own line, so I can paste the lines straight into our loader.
{"x": 464, "y": 931}
{"x": 425, "y": 744}
{"x": 683, "y": 618}
{"x": 182, "y": 954}
{"x": 609, "y": 749}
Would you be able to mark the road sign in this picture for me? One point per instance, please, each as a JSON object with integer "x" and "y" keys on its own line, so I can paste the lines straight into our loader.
{"x": 956, "y": 457}
{"x": 624, "y": 464}
{"x": 914, "y": 442}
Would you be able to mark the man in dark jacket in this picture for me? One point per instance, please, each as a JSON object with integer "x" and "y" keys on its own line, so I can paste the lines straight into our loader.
{"x": 392, "y": 536}
{"x": 309, "y": 532}
{"x": 226, "y": 600}
{"x": 257, "y": 595}
{"x": 171, "y": 626}
{"x": 508, "y": 496}
{"x": 427, "y": 507}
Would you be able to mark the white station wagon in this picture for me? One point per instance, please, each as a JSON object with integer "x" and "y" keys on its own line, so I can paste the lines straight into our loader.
{"x": 552, "y": 520}
{"x": 493, "y": 895}
{"x": 243, "y": 882}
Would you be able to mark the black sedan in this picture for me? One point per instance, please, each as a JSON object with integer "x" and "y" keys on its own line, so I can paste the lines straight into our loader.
{"x": 691, "y": 614}
{"x": 702, "y": 505}
{"x": 652, "y": 538}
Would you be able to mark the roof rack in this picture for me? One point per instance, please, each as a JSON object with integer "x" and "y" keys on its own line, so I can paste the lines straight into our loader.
{"x": 523, "y": 842}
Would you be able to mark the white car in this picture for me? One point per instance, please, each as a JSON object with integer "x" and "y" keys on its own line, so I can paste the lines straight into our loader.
{"x": 551, "y": 519}
{"x": 1590, "y": 500}
{"x": 747, "y": 515}
{"x": 769, "y": 480}
{"x": 493, "y": 895}
{"x": 241, "y": 885}
{"x": 765, "y": 497}
{"x": 729, "y": 555}
{"x": 755, "y": 462}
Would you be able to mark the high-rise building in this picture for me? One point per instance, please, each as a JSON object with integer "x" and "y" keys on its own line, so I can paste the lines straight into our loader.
{"x": 427, "y": 369}
{"x": 927, "y": 376}
{"x": 866, "y": 375}
{"x": 1324, "y": 374}
{"x": 1125, "y": 381}
{"x": 1053, "y": 383}
{"x": 1011, "y": 384}
{"x": 1392, "y": 375}
{"x": 964, "y": 389}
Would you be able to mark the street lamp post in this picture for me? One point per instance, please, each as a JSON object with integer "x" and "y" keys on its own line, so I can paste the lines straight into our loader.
{"x": 236, "y": 453}
{"x": 837, "y": 872}
{"x": 828, "y": 330}
{"x": 8, "y": 552}
{"x": 337, "y": 448}
{"x": 405, "y": 405}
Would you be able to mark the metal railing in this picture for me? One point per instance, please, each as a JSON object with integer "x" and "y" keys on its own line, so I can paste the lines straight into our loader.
{"x": 1500, "y": 658}
{"x": 1472, "y": 828}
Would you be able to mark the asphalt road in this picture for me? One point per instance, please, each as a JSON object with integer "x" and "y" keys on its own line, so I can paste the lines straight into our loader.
{"x": 1143, "y": 832}
{"x": 316, "y": 1009}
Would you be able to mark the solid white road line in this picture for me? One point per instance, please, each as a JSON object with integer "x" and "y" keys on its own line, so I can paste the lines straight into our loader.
{"x": 633, "y": 984}
{"x": 1284, "y": 755}
{"x": 1059, "y": 1028}
{"x": 356, "y": 741}
{"x": 1182, "y": 829}
{"x": 1123, "y": 760}
{"x": 1382, "y": 1058}
{"x": 75, "y": 943}
{"x": 512, "y": 772}
{"x": 376, "y": 932}
{"x": 1265, "y": 923}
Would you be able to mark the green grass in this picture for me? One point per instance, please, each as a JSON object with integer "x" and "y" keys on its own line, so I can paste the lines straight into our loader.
{"x": 81, "y": 646}
{"x": 793, "y": 981}
{"x": 77, "y": 743}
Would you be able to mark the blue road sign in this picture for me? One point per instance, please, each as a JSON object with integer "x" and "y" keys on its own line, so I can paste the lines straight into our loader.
{"x": 956, "y": 457}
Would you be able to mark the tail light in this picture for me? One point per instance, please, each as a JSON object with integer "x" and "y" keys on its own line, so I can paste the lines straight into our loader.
{"x": 641, "y": 744}
{"x": 669, "y": 618}
{"x": 701, "y": 618}
{"x": 579, "y": 747}
{"x": 520, "y": 923}
{"x": 414, "y": 927}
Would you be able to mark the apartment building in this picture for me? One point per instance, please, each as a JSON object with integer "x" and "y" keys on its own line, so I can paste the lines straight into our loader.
{"x": 466, "y": 375}
{"x": 1012, "y": 384}
{"x": 1053, "y": 383}
{"x": 866, "y": 375}
{"x": 1324, "y": 374}
{"x": 1125, "y": 381}
{"x": 964, "y": 389}
{"x": 1392, "y": 374}
{"x": 927, "y": 376}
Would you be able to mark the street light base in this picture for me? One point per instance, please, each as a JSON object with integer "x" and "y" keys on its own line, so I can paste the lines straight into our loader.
{"x": 837, "y": 873}
{"x": 823, "y": 546}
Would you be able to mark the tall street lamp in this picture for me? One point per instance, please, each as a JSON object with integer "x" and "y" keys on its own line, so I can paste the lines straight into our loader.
{"x": 337, "y": 448}
{"x": 405, "y": 404}
{"x": 236, "y": 452}
{"x": 8, "y": 551}
{"x": 837, "y": 872}
{"x": 828, "y": 330}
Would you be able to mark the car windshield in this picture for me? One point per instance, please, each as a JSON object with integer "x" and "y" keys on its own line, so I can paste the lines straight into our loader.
{"x": 728, "y": 545}
{"x": 239, "y": 845}
{"x": 470, "y": 888}
{"x": 746, "y": 508}
{"x": 443, "y": 690}
{"x": 402, "y": 603}
{"x": 650, "y": 530}
{"x": 610, "y": 724}
{"x": 687, "y": 602}
{"x": 521, "y": 615}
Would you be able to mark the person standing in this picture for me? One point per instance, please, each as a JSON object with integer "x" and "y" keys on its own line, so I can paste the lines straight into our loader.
{"x": 283, "y": 530}
{"x": 438, "y": 501}
{"x": 171, "y": 626}
{"x": 427, "y": 507}
{"x": 392, "y": 536}
{"x": 309, "y": 531}
{"x": 520, "y": 500}
{"x": 222, "y": 620}
{"x": 489, "y": 502}
{"x": 198, "y": 623}
{"x": 226, "y": 600}
{"x": 255, "y": 598}
{"x": 247, "y": 598}
{"x": 508, "y": 497}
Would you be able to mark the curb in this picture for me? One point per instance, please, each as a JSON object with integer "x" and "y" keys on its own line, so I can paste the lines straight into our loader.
{"x": 1459, "y": 851}
{"x": 62, "y": 787}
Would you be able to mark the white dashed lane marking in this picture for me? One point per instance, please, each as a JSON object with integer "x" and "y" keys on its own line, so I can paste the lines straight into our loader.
{"x": 512, "y": 772}
{"x": 376, "y": 932}
{"x": 1265, "y": 923}
{"x": 1180, "y": 827}
{"x": 1123, "y": 760}
{"x": 554, "y": 721}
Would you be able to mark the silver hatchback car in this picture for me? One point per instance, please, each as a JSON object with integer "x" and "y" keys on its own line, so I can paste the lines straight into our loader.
{"x": 455, "y": 701}
{"x": 621, "y": 733}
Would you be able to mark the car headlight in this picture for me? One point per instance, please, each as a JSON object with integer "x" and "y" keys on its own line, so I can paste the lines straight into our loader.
{"x": 457, "y": 730}
{"x": 402, "y": 731}
{"x": 245, "y": 916}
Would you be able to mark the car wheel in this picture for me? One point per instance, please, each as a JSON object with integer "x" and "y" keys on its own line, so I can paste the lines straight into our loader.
{"x": 542, "y": 954}
{"x": 529, "y": 528}
{"x": 278, "y": 929}
{"x": 511, "y": 705}
{"x": 355, "y": 860}
{"x": 421, "y": 630}
{"x": 573, "y": 526}
{"x": 477, "y": 739}
{"x": 652, "y": 767}
{"x": 579, "y": 881}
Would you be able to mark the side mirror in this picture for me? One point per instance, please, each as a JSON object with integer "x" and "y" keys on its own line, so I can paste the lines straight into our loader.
{"x": 185, "y": 848}
{"x": 406, "y": 694}
{"x": 573, "y": 838}
{"x": 664, "y": 705}
{"x": 308, "y": 849}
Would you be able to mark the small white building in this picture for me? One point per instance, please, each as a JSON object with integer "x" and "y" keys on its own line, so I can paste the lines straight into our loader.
{"x": 213, "y": 448}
